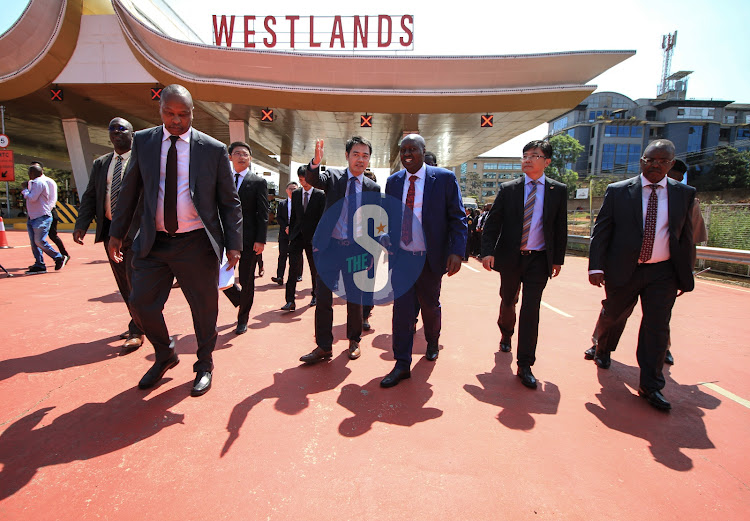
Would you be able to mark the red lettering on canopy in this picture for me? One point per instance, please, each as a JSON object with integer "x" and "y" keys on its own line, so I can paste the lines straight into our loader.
{"x": 312, "y": 33}
{"x": 384, "y": 18}
{"x": 222, "y": 28}
{"x": 291, "y": 19}
{"x": 249, "y": 32}
{"x": 337, "y": 32}
{"x": 358, "y": 30}
{"x": 407, "y": 30}
{"x": 272, "y": 42}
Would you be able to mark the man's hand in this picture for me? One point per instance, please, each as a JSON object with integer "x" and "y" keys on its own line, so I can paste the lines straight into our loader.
{"x": 233, "y": 257}
{"x": 453, "y": 264}
{"x": 258, "y": 247}
{"x": 597, "y": 279}
{"x": 25, "y": 185}
{"x": 113, "y": 249}
{"x": 286, "y": 230}
{"x": 78, "y": 236}
{"x": 318, "y": 152}
{"x": 385, "y": 242}
{"x": 488, "y": 262}
{"x": 556, "y": 270}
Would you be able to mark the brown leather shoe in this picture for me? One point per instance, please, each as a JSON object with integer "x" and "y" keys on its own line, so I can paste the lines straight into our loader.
{"x": 354, "y": 351}
{"x": 317, "y": 355}
{"x": 133, "y": 342}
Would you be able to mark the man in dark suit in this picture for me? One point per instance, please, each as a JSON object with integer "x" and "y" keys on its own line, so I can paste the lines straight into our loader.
{"x": 524, "y": 238}
{"x": 642, "y": 246}
{"x": 437, "y": 233}
{"x": 338, "y": 184}
{"x": 253, "y": 192}
{"x": 283, "y": 212}
{"x": 191, "y": 213}
{"x": 308, "y": 204}
{"x": 98, "y": 201}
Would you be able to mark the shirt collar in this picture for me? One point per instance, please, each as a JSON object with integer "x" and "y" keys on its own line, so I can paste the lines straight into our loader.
{"x": 308, "y": 192}
{"x": 350, "y": 175}
{"x": 125, "y": 156}
{"x": 185, "y": 137}
{"x": 421, "y": 173}
{"x": 243, "y": 173}
{"x": 540, "y": 181}
{"x": 646, "y": 182}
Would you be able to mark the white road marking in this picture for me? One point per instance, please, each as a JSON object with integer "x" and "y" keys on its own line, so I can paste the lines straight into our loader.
{"x": 727, "y": 286}
{"x": 469, "y": 267}
{"x": 563, "y": 313}
{"x": 726, "y": 393}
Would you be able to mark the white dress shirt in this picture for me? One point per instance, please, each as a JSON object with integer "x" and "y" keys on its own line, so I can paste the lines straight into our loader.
{"x": 187, "y": 216}
{"x": 110, "y": 171}
{"x": 241, "y": 178}
{"x": 660, "y": 251}
{"x": 536, "y": 232}
{"x": 417, "y": 233}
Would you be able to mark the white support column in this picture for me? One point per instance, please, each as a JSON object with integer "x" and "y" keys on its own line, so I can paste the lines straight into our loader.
{"x": 80, "y": 151}
{"x": 285, "y": 173}
{"x": 238, "y": 131}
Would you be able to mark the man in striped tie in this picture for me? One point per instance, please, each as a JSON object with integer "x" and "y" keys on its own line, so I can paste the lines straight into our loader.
{"x": 524, "y": 238}
{"x": 99, "y": 201}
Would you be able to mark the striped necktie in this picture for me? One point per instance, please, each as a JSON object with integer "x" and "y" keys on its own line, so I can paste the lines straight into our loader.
{"x": 649, "y": 231}
{"x": 406, "y": 224}
{"x": 114, "y": 191}
{"x": 528, "y": 212}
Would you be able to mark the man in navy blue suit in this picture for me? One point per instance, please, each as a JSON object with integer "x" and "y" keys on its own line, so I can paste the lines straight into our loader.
{"x": 437, "y": 232}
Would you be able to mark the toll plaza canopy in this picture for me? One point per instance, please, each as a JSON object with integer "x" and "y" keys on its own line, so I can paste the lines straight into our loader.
{"x": 69, "y": 67}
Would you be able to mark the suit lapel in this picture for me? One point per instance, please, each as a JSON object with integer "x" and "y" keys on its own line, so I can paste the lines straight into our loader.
{"x": 153, "y": 150}
{"x": 195, "y": 147}
{"x": 429, "y": 183}
{"x": 635, "y": 195}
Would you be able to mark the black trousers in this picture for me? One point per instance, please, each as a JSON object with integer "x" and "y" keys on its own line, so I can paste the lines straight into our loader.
{"x": 246, "y": 279}
{"x": 190, "y": 258}
{"x": 531, "y": 271}
{"x": 656, "y": 286}
{"x": 283, "y": 254}
{"x": 296, "y": 265}
{"x": 53, "y": 233}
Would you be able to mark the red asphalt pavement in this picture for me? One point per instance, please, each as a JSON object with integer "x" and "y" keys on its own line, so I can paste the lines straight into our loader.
{"x": 462, "y": 439}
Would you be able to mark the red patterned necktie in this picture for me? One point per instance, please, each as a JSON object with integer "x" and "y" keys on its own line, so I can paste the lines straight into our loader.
{"x": 170, "y": 188}
{"x": 408, "y": 214}
{"x": 528, "y": 212}
{"x": 649, "y": 232}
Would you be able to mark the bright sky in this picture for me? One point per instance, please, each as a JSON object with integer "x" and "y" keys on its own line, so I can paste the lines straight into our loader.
{"x": 710, "y": 42}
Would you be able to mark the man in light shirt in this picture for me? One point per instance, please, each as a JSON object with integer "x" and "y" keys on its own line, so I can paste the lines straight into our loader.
{"x": 40, "y": 199}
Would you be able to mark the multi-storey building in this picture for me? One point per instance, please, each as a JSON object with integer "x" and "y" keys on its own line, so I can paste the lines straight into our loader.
{"x": 481, "y": 176}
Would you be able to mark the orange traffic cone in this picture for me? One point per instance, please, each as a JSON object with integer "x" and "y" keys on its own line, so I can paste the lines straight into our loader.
{"x": 3, "y": 238}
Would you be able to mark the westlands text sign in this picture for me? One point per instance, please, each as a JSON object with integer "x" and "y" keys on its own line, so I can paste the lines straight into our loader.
{"x": 315, "y": 33}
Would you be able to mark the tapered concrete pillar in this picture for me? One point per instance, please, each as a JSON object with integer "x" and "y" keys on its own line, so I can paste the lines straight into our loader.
{"x": 285, "y": 173}
{"x": 80, "y": 151}
{"x": 238, "y": 131}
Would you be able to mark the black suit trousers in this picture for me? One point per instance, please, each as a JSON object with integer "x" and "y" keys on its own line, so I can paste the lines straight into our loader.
{"x": 656, "y": 285}
{"x": 123, "y": 272}
{"x": 324, "y": 307}
{"x": 190, "y": 258}
{"x": 247, "y": 264}
{"x": 296, "y": 265}
{"x": 283, "y": 254}
{"x": 532, "y": 273}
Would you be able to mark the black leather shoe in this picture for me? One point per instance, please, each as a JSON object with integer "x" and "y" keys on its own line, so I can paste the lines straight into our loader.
{"x": 354, "y": 351}
{"x": 433, "y": 350}
{"x": 125, "y": 335}
{"x": 278, "y": 280}
{"x": 289, "y": 306}
{"x": 202, "y": 383}
{"x": 366, "y": 325}
{"x": 590, "y": 353}
{"x": 526, "y": 376}
{"x": 313, "y": 301}
{"x": 317, "y": 355}
{"x": 241, "y": 329}
{"x": 153, "y": 375}
{"x": 603, "y": 359}
{"x": 505, "y": 345}
{"x": 669, "y": 359}
{"x": 395, "y": 376}
{"x": 655, "y": 399}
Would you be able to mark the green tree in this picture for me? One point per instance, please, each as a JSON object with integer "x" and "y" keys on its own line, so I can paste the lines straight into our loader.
{"x": 565, "y": 150}
{"x": 473, "y": 185}
{"x": 599, "y": 184}
{"x": 731, "y": 169}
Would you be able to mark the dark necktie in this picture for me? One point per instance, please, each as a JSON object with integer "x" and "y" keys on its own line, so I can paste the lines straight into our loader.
{"x": 114, "y": 191}
{"x": 304, "y": 202}
{"x": 406, "y": 224}
{"x": 649, "y": 232}
{"x": 351, "y": 201}
{"x": 170, "y": 188}
{"x": 237, "y": 181}
{"x": 528, "y": 212}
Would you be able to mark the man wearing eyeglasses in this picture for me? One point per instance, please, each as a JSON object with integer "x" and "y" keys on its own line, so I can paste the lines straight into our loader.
{"x": 99, "y": 201}
{"x": 649, "y": 256}
{"x": 524, "y": 238}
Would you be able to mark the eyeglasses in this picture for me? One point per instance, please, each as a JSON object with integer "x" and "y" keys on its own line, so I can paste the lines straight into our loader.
{"x": 241, "y": 153}
{"x": 659, "y": 162}
{"x": 531, "y": 158}
{"x": 118, "y": 128}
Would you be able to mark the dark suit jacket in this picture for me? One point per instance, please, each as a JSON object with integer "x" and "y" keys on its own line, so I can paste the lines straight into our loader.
{"x": 333, "y": 182}
{"x": 253, "y": 194}
{"x": 93, "y": 199}
{"x": 211, "y": 189}
{"x": 501, "y": 235}
{"x": 618, "y": 233}
{"x": 443, "y": 215}
{"x": 282, "y": 217}
{"x": 303, "y": 224}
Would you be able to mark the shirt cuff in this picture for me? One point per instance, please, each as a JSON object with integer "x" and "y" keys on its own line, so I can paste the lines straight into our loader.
{"x": 591, "y": 272}
{"x": 313, "y": 166}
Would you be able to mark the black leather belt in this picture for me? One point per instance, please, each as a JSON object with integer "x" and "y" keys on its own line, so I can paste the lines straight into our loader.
{"x": 414, "y": 253}
{"x": 167, "y": 235}
{"x": 529, "y": 252}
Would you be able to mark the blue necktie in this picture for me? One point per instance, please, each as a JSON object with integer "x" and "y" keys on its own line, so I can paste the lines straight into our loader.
{"x": 351, "y": 201}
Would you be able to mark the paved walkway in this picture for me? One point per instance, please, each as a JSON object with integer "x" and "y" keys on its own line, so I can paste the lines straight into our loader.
{"x": 463, "y": 439}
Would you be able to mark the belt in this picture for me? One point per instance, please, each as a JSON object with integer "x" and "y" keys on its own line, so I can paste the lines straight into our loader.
{"x": 529, "y": 252}
{"x": 414, "y": 253}
{"x": 342, "y": 242}
{"x": 167, "y": 235}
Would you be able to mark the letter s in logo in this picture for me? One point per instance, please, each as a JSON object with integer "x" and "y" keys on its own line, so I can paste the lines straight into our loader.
{"x": 379, "y": 254}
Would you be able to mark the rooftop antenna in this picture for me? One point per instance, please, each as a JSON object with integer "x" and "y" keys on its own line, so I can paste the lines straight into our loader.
{"x": 668, "y": 43}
